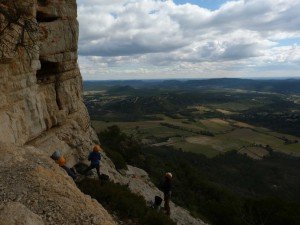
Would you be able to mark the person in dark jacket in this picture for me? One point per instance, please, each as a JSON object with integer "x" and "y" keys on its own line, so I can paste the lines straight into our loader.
{"x": 167, "y": 189}
{"x": 95, "y": 158}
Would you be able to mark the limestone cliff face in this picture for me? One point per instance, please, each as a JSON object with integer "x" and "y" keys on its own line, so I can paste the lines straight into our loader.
{"x": 41, "y": 110}
{"x": 40, "y": 84}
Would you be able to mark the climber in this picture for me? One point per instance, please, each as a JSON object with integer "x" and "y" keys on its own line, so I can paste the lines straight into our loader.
{"x": 70, "y": 171}
{"x": 167, "y": 189}
{"x": 95, "y": 158}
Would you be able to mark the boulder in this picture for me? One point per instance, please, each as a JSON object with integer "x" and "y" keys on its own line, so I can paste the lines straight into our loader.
{"x": 15, "y": 213}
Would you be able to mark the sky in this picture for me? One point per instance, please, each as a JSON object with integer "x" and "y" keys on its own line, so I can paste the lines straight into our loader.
{"x": 165, "y": 39}
{"x": 208, "y": 4}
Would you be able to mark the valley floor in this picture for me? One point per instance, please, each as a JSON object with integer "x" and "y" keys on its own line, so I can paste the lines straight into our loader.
{"x": 228, "y": 135}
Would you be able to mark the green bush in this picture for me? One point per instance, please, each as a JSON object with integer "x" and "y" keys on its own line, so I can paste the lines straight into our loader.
{"x": 271, "y": 211}
{"x": 119, "y": 199}
{"x": 154, "y": 218}
{"x": 117, "y": 159}
{"x": 114, "y": 140}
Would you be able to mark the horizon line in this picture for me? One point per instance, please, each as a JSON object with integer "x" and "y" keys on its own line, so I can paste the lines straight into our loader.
{"x": 185, "y": 79}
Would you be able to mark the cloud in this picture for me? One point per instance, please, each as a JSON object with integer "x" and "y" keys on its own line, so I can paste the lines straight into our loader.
{"x": 157, "y": 36}
{"x": 127, "y": 29}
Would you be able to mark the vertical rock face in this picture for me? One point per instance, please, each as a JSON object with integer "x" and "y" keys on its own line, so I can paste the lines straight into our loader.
{"x": 40, "y": 83}
{"x": 41, "y": 110}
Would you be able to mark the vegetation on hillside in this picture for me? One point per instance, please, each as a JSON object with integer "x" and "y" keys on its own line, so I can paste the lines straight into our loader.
{"x": 278, "y": 112}
{"x": 229, "y": 189}
{"x": 287, "y": 86}
{"x": 130, "y": 208}
{"x": 164, "y": 123}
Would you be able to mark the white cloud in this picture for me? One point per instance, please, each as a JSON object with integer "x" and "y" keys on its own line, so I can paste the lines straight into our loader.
{"x": 156, "y": 37}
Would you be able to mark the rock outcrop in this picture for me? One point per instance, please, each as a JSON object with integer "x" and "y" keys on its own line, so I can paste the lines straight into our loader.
{"x": 139, "y": 182}
{"x": 42, "y": 110}
{"x": 34, "y": 183}
{"x": 16, "y": 213}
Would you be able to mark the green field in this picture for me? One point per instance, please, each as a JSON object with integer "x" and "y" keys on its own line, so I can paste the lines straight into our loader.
{"x": 210, "y": 121}
{"x": 229, "y": 135}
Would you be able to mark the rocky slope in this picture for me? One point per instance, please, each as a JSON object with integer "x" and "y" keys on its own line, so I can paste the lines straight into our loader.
{"x": 46, "y": 194}
{"x": 139, "y": 182}
{"x": 41, "y": 110}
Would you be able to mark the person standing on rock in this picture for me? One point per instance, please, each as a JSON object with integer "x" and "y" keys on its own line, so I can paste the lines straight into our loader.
{"x": 95, "y": 158}
{"x": 167, "y": 189}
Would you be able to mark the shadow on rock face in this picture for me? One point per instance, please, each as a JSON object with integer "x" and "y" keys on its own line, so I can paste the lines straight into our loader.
{"x": 81, "y": 167}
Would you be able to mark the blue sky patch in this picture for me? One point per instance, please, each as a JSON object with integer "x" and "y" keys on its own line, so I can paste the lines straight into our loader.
{"x": 209, "y": 4}
{"x": 289, "y": 41}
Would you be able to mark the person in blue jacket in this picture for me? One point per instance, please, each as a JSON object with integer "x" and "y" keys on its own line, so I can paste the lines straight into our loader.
{"x": 94, "y": 158}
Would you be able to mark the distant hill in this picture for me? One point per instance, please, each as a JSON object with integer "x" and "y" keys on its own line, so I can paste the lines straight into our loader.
{"x": 287, "y": 86}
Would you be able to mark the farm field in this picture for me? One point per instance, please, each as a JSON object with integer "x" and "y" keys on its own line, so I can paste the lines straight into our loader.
{"x": 208, "y": 121}
{"x": 228, "y": 135}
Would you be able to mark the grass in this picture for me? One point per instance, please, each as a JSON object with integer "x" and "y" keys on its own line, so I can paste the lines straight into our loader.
{"x": 145, "y": 128}
{"x": 196, "y": 148}
{"x": 218, "y": 143}
{"x": 235, "y": 106}
{"x": 226, "y": 138}
{"x": 216, "y": 125}
{"x": 254, "y": 152}
{"x": 293, "y": 149}
{"x": 225, "y": 112}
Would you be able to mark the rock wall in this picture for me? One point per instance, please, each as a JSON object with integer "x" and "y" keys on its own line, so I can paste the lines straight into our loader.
{"x": 41, "y": 110}
{"x": 40, "y": 82}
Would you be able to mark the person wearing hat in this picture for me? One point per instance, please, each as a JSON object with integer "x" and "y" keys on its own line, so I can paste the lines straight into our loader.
{"x": 62, "y": 163}
{"x": 167, "y": 189}
{"x": 94, "y": 158}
